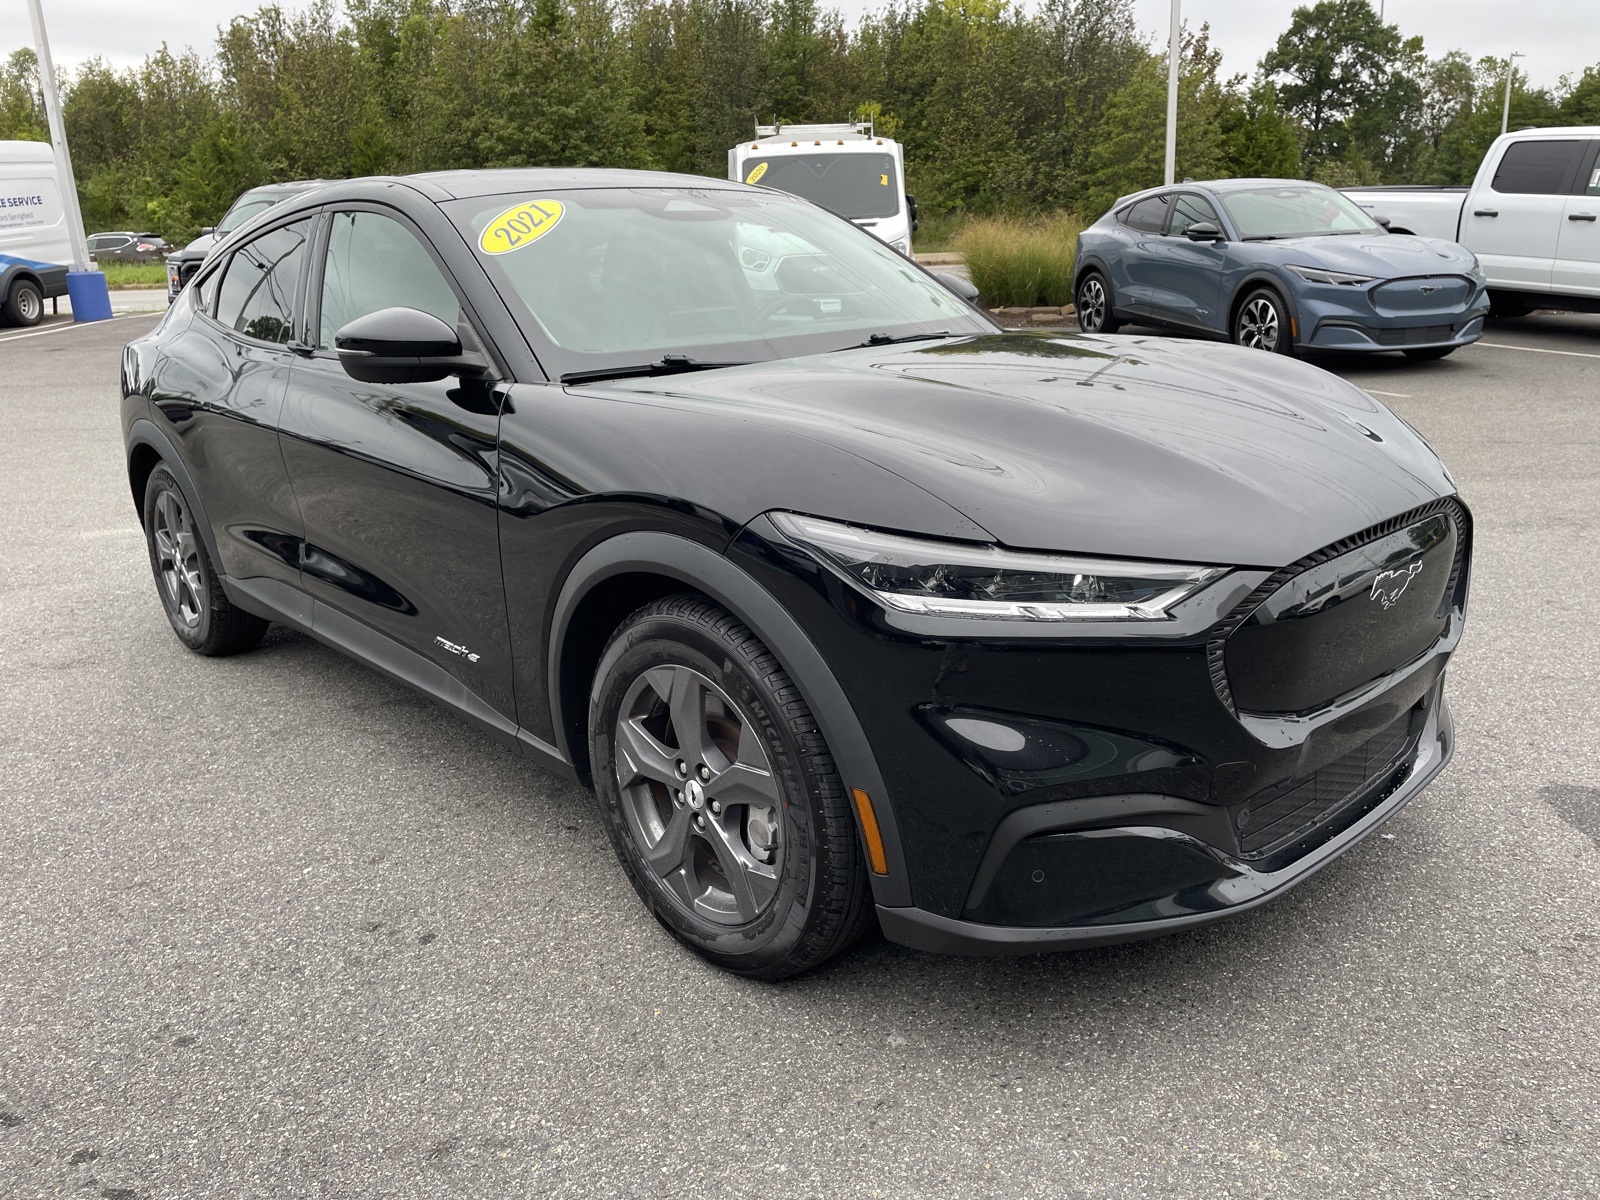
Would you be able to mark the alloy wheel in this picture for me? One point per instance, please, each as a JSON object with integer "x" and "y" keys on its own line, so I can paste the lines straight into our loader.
{"x": 178, "y": 559}
{"x": 1091, "y": 305}
{"x": 1258, "y": 325}
{"x": 699, "y": 795}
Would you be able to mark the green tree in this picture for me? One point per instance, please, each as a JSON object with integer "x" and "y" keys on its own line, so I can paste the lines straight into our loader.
{"x": 21, "y": 102}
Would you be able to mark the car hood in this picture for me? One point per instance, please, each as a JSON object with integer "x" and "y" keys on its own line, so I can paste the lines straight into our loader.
{"x": 198, "y": 248}
{"x": 1384, "y": 255}
{"x": 1142, "y": 447}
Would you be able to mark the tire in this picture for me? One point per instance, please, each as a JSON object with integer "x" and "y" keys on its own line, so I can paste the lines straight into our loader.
{"x": 24, "y": 304}
{"x": 199, "y": 611}
{"x": 1261, "y": 322}
{"x": 1508, "y": 305}
{"x": 765, "y": 886}
{"x": 1430, "y": 353}
{"x": 1094, "y": 304}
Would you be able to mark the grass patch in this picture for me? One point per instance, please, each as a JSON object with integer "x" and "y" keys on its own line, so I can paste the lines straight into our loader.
{"x": 126, "y": 274}
{"x": 1017, "y": 261}
{"x": 936, "y": 231}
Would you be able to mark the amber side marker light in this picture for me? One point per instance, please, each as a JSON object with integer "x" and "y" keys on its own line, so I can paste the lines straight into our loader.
{"x": 876, "y": 858}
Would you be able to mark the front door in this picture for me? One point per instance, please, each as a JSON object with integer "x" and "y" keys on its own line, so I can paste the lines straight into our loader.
{"x": 1514, "y": 227}
{"x": 397, "y": 482}
{"x": 1577, "y": 265}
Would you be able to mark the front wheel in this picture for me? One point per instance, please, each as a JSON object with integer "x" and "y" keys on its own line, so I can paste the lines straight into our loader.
{"x": 720, "y": 796}
{"x": 1093, "y": 303}
{"x": 1262, "y": 323}
{"x": 1430, "y": 353}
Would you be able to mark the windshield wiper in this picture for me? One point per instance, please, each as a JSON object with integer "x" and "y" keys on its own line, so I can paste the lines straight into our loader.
{"x": 888, "y": 339}
{"x": 667, "y": 364}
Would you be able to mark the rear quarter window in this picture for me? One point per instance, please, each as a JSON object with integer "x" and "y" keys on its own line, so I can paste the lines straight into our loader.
{"x": 1148, "y": 215}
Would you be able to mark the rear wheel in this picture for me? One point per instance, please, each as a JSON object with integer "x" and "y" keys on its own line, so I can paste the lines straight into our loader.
{"x": 1431, "y": 353}
{"x": 199, "y": 611}
{"x": 24, "y": 304}
{"x": 1093, "y": 303}
{"x": 1262, "y": 323}
{"x": 720, "y": 796}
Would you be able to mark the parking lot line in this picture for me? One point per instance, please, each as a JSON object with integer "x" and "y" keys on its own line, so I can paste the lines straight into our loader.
{"x": 1537, "y": 350}
{"x": 17, "y": 337}
{"x": 1390, "y": 395}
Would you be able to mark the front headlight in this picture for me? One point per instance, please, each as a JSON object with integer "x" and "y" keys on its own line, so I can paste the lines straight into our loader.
{"x": 1319, "y": 275}
{"x": 956, "y": 579}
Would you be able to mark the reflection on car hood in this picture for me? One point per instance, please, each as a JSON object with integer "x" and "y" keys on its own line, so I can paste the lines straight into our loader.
{"x": 1144, "y": 447}
{"x": 1384, "y": 255}
{"x": 198, "y": 248}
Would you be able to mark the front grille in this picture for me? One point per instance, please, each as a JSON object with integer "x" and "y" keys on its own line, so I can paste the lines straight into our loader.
{"x": 1454, "y": 593}
{"x": 1422, "y": 335}
{"x": 1268, "y": 822}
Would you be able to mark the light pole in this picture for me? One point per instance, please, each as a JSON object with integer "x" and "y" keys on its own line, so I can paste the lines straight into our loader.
{"x": 1505, "y": 112}
{"x": 86, "y": 287}
{"x": 1172, "y": 91}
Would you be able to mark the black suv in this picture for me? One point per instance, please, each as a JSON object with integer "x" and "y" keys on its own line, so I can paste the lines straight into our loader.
{"x": 849, "y": 605}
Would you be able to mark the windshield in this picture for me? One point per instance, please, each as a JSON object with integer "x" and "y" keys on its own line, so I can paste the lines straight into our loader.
{"x": 243, "y": 209}
{"x": 621, "y": 276}
{"x": 1285, "y": 212}
{"x": 852, "y": 185}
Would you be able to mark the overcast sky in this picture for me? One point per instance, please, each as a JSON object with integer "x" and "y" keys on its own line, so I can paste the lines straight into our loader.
{"x": 1558, "y": 36}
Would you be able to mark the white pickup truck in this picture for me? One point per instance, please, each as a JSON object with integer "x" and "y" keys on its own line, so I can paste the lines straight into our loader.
{"x": 1532, "y": 216}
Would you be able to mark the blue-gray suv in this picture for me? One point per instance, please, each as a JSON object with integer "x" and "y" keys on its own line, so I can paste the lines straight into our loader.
{"x": 1278, "y": 265}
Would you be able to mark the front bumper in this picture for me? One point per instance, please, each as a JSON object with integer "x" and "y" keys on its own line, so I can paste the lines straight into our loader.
{"x": 1237, "y": 886}
{"x": 1345, "y": 334}
{"x": 1421, "y": 313}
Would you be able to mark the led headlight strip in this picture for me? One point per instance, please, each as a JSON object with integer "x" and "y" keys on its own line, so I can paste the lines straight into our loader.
{"x": 957, "y": 579}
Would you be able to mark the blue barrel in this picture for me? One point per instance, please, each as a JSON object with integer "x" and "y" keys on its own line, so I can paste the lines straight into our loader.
{"x": 91, "y": 299}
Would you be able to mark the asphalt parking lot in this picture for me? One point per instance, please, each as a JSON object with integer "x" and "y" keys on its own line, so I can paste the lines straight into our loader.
{"x": 275, "y": 927}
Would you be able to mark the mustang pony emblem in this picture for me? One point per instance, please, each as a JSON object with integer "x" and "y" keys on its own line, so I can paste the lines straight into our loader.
{"x": 1387, "y": 586}
{"x": 1428, "y": 289}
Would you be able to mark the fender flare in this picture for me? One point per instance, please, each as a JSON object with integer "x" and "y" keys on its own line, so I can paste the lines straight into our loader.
{"x": 145, "y": 432}
{"x": 1262, "y": 278}
{"x": 705, "y": 570}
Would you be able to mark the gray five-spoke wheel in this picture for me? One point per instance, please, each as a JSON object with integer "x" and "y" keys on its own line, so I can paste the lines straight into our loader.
{"x": 1091, "y": 305}
{"x": 178, "y": 559}
{"x": 1258, "y": 324}
{"x": 699, "y": 794}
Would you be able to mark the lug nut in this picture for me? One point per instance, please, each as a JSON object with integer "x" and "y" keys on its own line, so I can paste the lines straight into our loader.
{"x": 683, "y": 769}
{"x": 677, "y": 797}
{"x": 716, "y": 806}
{"x": 699, "y": 820}
{"x": 705, "y": 773}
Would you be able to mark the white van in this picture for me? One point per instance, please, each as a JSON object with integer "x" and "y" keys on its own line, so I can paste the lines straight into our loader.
{"x": 35, "y": 248}
{"x": 845, "y": 169}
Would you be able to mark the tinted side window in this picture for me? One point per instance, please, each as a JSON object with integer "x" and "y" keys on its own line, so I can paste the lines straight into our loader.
{"x": 1589, "y": 185}
{"x": 375, "y": 262}
{"x": 1149, "y": 215}
{"x": 1536, "y": 168}
{"x": 1189, "y": 210}
{"x": 258, "y": 287}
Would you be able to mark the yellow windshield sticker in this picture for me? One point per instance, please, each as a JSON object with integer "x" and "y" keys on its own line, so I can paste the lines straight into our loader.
{"x": 883, "y": 181}
{"x": 520, "y": 225}
{"x": 755, "y": 175}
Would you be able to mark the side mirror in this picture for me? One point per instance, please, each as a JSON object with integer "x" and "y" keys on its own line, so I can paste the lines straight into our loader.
{"x": 207, "y": 230}
{"x": 401, "y": 345}
{"x": 911, "y": 207}
{"x": 964, "y": 288}
{"x": 1203, "y": 231}
{"x": 1381, "y": 220}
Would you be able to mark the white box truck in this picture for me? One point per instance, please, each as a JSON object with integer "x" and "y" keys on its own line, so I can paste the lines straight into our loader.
{"x": 1532, "y": 216}
{"x": 35, "y": 248}
{"x": 846, "y": 169}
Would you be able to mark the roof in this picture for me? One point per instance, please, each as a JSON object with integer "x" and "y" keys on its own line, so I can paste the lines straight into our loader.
{"x": 463, "y": 184}
{"x": 26, "y": 152}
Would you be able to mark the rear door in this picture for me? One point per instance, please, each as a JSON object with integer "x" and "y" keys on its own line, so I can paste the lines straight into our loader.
{"x": 397, "y": 482}
{"x": 1185, "y": 276}
{"x": 1577, "y": 266}
{"x": 1134, "y": 272}
{"x": 1514, "y": 226}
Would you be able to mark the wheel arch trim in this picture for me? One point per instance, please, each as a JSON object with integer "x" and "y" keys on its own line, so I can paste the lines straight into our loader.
{"x": 702, "y": 569}
{"x": 145, "y": 433}
{"x": 1268, "y": 279}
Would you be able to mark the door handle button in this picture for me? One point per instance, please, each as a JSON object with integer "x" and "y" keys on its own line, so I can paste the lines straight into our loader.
{"x": 1580, "y": 216}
